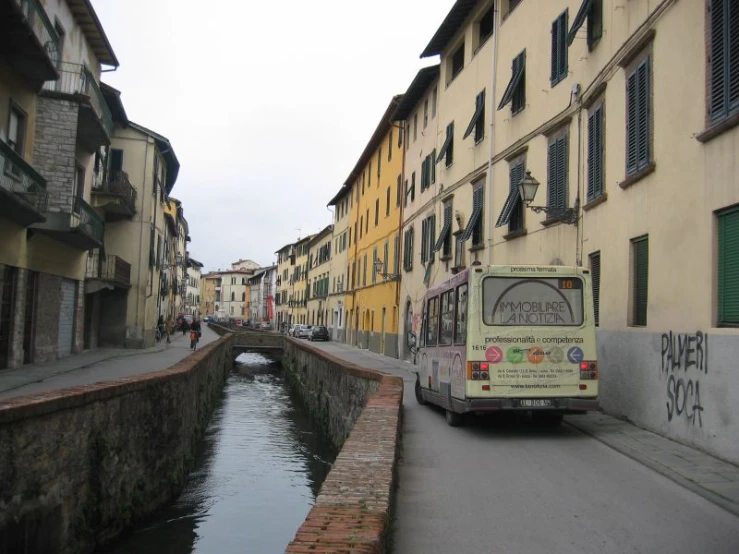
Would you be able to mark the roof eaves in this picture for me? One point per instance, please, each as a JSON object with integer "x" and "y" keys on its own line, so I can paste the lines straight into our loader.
{"x": 92, "y": 28}
{"x": 166, "y": 149}
{"x": 418, "y": 87}
{"x": 449, "y": 27}
{"x": 382, "y": 127}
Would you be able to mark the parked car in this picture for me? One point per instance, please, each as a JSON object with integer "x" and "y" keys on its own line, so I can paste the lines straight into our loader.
{"x": 303, "y": 332}
{"x": 246, "y": 323}
{"x": 319, "y": 332}
{"x": 265, "y": 325}
{"x": 291, "y": 330}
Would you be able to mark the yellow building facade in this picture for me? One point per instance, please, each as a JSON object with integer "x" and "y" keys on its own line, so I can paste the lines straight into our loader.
{"x": 375, "y": 183}
{"x": 283, "y": 287}
{"x": 298, "y": 297}
{"x": 339, "y": 268}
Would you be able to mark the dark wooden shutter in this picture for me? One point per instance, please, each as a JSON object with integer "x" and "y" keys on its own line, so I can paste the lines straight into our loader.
{"x": 595, "y": 277}
{"x": 732, "y": 28}
{"x": 595, "y": 153}
{"x": 645, "y": 116}
{"x": 478, "y": 206}
{"x": 631, "y": 124}
{"x": 554, "y": 64}
{"x": 641, "y": 280}
{"x": 561, "y": 200}
{"x": 515, "y": 222}
{"x": 433, "y": 166}
{"x": 718, "y": 61}
{"x": 552, "y": 174}
{"x": 432, "y": 237}
{"x": 728, "y": 274}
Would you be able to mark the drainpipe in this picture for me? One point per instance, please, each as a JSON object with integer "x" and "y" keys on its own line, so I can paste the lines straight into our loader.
{"x": 489, "y": 183}
{"x": 141, "y": 244}
{"x": 579, "y": 230}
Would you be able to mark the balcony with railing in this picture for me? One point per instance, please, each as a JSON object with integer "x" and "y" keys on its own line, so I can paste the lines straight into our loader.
{"x": 79, "y": 227}
{"x": 106, "y": 272}
{"x": 95, "y": 122}
{"x": 23, "y": 196}
{"x": 28, "y": 40}
{"x": 114, "y": 194}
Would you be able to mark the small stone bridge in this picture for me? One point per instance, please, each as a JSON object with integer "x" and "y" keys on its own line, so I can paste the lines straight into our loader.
{"x": 269, "y": 343}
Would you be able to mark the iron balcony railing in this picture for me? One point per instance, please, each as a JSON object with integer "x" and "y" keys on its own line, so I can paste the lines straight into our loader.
{"x": 77, "y": 79}
{"x": 18, "y": 177}
{"x": 88, "y": 219}
{"x": 117, "y": 183}
{"x": 108, "y": 268}
{"x": 37, "y": 19}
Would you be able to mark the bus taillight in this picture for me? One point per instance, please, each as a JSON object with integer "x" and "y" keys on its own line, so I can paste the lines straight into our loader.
{"x": 478, "y": 371}
{"x": 588, "y": 371}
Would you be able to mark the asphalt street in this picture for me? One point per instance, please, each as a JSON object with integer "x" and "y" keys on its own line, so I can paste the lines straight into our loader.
{"x": 499, "y": 486}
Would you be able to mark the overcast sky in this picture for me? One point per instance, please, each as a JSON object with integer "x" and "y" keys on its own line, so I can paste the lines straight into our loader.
{"x": 268, "y": 104}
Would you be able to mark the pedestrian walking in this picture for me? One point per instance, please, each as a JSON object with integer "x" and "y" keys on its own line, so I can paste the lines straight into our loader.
{"x": 194, "y": 334}
{"x": 161, "y": 328}
{"x": 169, "y": 327}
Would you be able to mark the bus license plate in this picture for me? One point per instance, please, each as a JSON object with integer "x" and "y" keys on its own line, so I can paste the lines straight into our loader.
{"x": 536, "y": 403}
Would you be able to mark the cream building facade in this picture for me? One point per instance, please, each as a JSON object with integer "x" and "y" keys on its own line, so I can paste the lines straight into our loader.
{"x": 319, "y": 276}
{"x": 53, "y": 118}
{"x": 234, "y": 294}
{"x": 339, "y": 268}
{"x": 192, "y": 293}
{"x": 298, "y": 301}
{"x": 283, "y": 284}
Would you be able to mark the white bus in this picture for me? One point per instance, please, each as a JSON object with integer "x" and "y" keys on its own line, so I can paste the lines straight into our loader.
{"x": 509, "y": 338}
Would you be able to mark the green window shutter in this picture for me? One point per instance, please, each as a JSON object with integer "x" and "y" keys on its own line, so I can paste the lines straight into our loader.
{"x": 724, "y": 60}
{"x": 515, "y": 222}
{"x": 152, "y": 241}
{"x": 433, "y": 166}
{"x": 561, "y": 200}
{"x": 554, "y": 64}
{"x": 432, "y": 237}
{"x": 396, "y": 258}
{"x": 595, "y": 153}
{"x": 728, "y": 268}
{"x": 595, "y": 277}
{"x": 641, "y": 281}
{"x": 424, "y": 240}
{"x": 478, "y": 206}
{"x": 631, "y": 124}
{"x": 644, "y": 109}
{"x": 552, "y": 174}
{"x": 450, "y": 149}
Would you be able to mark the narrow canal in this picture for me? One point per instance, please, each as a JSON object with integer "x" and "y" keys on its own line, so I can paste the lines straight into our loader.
{"x": 256, "y": 477}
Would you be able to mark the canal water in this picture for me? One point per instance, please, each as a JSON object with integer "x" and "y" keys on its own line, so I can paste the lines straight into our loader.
{"x": 256, "y": 477}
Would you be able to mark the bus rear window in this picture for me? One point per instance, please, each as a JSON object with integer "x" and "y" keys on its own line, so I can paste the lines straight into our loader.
{"x": 534, "y": 302}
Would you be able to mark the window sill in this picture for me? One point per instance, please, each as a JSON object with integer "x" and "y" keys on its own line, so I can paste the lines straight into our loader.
{"x": 597, "y": 201}
{"x": 445, "y": 258}
{"x": 548, "y": 222}
{"x": 515, "y": 234}
{"x": 457, "y": 268}
{"x": 476, "y": 247}
{"x": 719, "y": 128}
{"x": 638, "y": 176}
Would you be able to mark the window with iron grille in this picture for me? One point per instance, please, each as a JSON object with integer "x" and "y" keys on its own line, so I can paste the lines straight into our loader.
{"x": 639, "y": 117}
{"x": 639, "y": 281}
{"x": 557, "y": 172}
{"x": 559, "y": 49}
{"x": 723, "y": 62}
{"x": 596, "y": 152}
{"x": 728, "y": 267}
{"x": 595, "y": 278}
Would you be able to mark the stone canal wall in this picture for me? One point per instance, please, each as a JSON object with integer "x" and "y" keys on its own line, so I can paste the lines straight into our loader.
{"x": 361, "y": 411}
{"x": 80, "y": 465}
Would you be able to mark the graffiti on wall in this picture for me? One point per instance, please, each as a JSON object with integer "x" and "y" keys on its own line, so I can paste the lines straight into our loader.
{"x": 684, "y": 361}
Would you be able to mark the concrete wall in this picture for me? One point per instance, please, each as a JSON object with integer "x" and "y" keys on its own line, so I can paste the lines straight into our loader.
{"x": 362, "y": 412}
{"x": 76, "y": 471}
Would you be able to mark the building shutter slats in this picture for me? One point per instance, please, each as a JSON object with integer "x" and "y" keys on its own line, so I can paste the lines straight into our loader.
{"x": 515, "y": 174}
{"x": 561, "y": 200}
{"x": 644, "y": 116}
{"x": 595, "y": 277}
{"x": 554, "y": 64}
{"x": 728, "y": 274}
{"x": 552, "y": 175}
{"x": 631, "y": 125}
{"x": 718, "y": 58}
{"x": 445, "y": 229}
{"x": 592, "y": 171}
{"x": 733, "y": 48}
{"x": 582, "y": 13}
{"x": 641, "y": 281}
{"x": 598, "y": 153}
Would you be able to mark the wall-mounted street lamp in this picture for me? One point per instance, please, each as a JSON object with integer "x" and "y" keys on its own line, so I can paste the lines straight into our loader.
{"x": 389, "y": 276}
{"x": 527, "y": 188}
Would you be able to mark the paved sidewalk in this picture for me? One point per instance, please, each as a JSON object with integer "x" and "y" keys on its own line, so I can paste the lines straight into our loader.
{"x": 104, "y": 364}
{"x": 705, "y": 475}
{"x": 710, "y": 477}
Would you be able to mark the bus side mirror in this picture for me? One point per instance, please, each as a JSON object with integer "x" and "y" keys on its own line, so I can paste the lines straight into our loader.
{"x": 411, "y": 340}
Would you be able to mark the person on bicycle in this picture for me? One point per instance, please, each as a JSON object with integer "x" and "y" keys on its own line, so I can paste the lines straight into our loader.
{"x": 194, "y": 333}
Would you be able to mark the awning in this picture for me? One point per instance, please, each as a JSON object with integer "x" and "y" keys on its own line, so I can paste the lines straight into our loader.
{"x": 513, "y": 199}
{"x": 582, "y": 13}
{"x": 479, "y": 108}
{"x": 447, "y": 143}
{"x": 474, "y": 218}
{"x": 517, "y": 71}
{"x": 445, "y": 229}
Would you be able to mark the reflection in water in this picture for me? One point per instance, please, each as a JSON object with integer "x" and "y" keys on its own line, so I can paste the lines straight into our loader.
{"x": 256, "y": 477}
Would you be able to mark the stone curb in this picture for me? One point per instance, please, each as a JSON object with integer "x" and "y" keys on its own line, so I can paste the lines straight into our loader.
{"x": 662, "y": 469}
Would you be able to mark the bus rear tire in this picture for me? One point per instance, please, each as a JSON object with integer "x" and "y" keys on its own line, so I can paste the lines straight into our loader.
{"x": 419, "y": 394}
{"x": 454, "y": 419}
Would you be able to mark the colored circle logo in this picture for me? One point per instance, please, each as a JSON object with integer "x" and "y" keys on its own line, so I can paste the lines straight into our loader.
{"x": 575, "y": 355}
{"x": 494, "y": 355}
{"x": 556, "y": 355}
{"x": 535, "y": 355}
{"x": 514, "y": 355}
